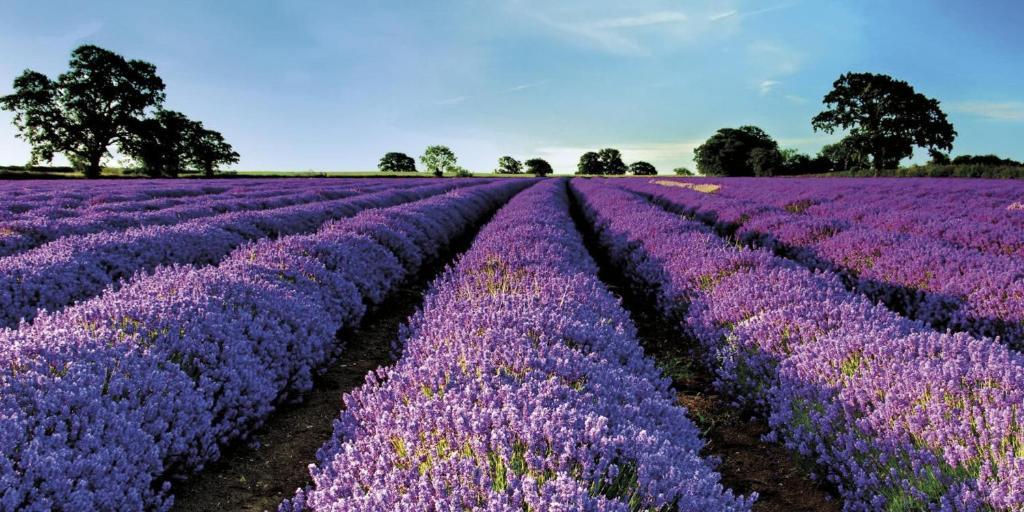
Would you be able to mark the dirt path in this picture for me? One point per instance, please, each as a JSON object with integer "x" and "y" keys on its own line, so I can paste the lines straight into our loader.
{"x": 254, "y": 479}
{"x": 748, "y": 464}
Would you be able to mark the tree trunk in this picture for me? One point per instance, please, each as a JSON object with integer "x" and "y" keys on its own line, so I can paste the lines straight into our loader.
{"x": 94, "y": 169}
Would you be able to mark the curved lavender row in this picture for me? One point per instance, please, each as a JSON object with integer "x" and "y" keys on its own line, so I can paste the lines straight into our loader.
{"x": 522, "y": 387}
{"x": 925, "y": 278}
{"x": 903, "y": 418}
{"x": 102, "y": 403}
{"x": 74, "y": 268}
{"x": 250, "y": 191}
{"x": 975, "y": 213}
{"x": 25, "y": 234}
{"x": 19, "y": 195}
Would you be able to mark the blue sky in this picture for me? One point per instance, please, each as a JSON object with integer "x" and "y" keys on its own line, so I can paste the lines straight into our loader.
{"x": 333, "y": 85}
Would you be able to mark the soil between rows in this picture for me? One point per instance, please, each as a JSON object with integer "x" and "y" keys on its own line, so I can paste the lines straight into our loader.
{"x": 748, "y": 464}
{"x": 257, "y": 478}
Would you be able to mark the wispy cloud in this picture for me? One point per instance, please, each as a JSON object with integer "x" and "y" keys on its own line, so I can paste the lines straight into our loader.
{"x": 452, "y": 101}
{"x": 455, "y": 100}
{"x": 767, "y": 86}
{"x": 998, "y": 110}
{"x": 619, "y": 35}
{"x": 733, "y": 13}
{"x": 723, "y": 15}
{"x": 657, "y": 18}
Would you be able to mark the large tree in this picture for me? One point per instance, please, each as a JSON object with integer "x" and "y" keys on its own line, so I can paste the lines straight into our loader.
{"x": 87, "y": 109}
{"x": 208, "y": 151}
{"x": 642, "y": 169}
{"x": 743, "y": 151}
{"x": 611, "y": 161}
{"x": 509, "y": 165}
{"x": 161, "y": 143}
{"x": 887, "y": 117}
{"x": 169, "y": 142}
{"x": 396, "y": 162}
{"x": 538, "y": 167}
{"x": 438, "y": 159}
{"x": 590, "y": 164}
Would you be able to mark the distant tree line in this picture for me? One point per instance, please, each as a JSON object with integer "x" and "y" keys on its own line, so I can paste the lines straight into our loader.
{"x": 608, "y": 161}
{"x": 883, "y": 119}
{"x": 441, "y": 160}
{"x": 104, "y": 100}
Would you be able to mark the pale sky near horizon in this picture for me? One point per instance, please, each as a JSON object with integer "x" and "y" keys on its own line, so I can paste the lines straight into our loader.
{"x": 334, "y": 85}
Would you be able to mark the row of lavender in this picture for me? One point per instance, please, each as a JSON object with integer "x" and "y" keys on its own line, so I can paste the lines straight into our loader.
{"x": 521, "y": 387}
{"x": 78, "y": 267}
{"x": 987, "y": 215}
{"x": 66, "y": 200}
{"x": 923, "y": 277}
{"x": 26, "y": 233}
{"x": 19, "y": 195}
{"x": 101, "y": 404}
{"x": 903, "y": 418}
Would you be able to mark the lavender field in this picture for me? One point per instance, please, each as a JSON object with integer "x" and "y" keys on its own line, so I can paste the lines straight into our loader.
{"x": 862, "y": 334}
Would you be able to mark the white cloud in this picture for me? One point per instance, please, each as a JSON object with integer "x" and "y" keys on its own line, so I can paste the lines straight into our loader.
{"x": 1001, "y": 111}
{"x": 455, "y": 100}
{"x": 767, "y": 86}
{"x": 723, "y": 15}
{"x": 644, "y": 20}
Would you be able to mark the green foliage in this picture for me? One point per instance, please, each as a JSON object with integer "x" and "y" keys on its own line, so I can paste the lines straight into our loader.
{"x": 396, "y": 162}
{"x": 938, "y": 157}
{"x": 682, "y": 171}
{"x": 743, "y": 151}
{"x": 538, "y": 167}
{"x": 169, "y": 143}
{"x": 438, "y": 160}
{"x": 508, "y": 165}
{"x": 611, "y": 161}
{"x": 984, "y": 160}
{"x": 590, "y": 164}
{"x": 208, "y": 151}
{"x": 605, "y": 161}
{"x": 795, "y": 163}
{"x": 86, "y": 109}
{"x": 161, "y": 143}
{"x": 460, "y": 171}
{"x": 885, "y": 117}
{"x": 642, "y": 169}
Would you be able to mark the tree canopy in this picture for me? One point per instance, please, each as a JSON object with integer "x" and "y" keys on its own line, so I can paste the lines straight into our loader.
{"x": 87, "y": 109}
{"x": 642, "y": 169}
{"x": 886, "y": 118}
{"x": 169, "y": 142}
{"x": 682, "y": 171}
{"x": 509, "y": 165}
{"x": 743, "y": 151}
{"x": 208, "y": 151}
{"x": 590, "y": 164}
{"x": 438, "y": 159}
{"x": 396, "y": 162}
{"x": 611, "y": 161}
{"x": 538, "y": 167}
